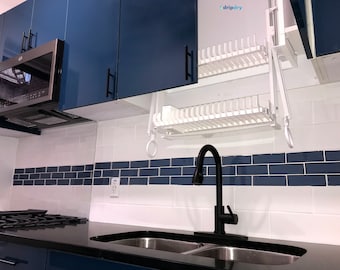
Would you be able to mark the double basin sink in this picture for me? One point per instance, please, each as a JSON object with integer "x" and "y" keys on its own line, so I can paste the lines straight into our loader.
{"x": 226, "y": 248}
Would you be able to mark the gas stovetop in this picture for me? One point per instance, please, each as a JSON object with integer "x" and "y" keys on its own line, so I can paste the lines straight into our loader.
{"x": 35, "y": 219}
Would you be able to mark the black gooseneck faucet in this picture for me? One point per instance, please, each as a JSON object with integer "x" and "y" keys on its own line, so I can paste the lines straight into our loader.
{"x": 221, "y": 218}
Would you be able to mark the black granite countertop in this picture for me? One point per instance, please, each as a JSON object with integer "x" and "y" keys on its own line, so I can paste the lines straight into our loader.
{"x": 76, "y": 239}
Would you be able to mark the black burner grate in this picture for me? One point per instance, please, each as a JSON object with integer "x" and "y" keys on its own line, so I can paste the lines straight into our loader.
{"x": 35, "y": 219}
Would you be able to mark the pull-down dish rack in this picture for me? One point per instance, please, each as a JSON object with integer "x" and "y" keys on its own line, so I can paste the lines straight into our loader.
{"x": 212, "y": 117}
{"x": 238, "y": 113}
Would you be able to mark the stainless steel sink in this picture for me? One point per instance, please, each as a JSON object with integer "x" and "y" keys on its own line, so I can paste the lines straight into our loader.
{"x": 170, "y": 245}
{"x": 244, "y": 255}
{"x": 221, "y": 249}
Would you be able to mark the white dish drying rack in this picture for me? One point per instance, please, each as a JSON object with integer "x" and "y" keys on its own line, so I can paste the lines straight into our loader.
{"x": 231, "y": 56}
{"x": 209, "y": 117}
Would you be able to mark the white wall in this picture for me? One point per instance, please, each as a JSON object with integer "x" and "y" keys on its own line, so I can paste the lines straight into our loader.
{"x": 74, "y": 145}
{"x": 8, "y": 151}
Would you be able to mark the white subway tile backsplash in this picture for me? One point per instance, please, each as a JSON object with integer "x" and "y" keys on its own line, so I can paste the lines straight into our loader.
{"x": 274, "y": 199}
{"x": 305, "y": 227}
{"x": 326, "y": 201}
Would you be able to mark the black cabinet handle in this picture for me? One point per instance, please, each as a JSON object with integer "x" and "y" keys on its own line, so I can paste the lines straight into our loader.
{"x": 30, "y": 36}
{"x": 189, "y": 54}
{"x": 23, "y": 42}
{"x": 110, "y": 77}
{"x": 7, "y": 261}
{"x": 25, "y": 46}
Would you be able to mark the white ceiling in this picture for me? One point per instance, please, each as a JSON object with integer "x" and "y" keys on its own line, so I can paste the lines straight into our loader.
{"x": 9, "y": 4}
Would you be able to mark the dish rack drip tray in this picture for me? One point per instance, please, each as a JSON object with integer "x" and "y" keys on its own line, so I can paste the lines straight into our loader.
{"x": 212, "y": 117}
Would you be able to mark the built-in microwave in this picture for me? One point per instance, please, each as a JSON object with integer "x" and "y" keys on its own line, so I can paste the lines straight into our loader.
{"x": 30, "y": 87}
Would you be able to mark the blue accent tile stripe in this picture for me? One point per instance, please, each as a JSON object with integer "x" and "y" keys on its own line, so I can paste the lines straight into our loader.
{"x": 313, "y": 168}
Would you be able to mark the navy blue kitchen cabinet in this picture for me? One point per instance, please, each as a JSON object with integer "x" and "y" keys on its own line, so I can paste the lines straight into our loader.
{"x": 15, "y": 22}
{"x": 66, "y": 261}
{"x": 49, "y": 20}
{"x": 157, "y": 46}
{"x": 326, "y": 18}
{"x": 39, "y": 20}
{"x": 127, "y": 48}
{"x": 90, "y": 54}
{"x": 21, "y": 257}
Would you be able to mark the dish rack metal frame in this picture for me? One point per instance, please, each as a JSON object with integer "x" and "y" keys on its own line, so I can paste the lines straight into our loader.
{"x": 244, "y": 112}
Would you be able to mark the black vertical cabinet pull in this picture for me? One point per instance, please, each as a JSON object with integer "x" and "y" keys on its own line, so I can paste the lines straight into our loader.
{"x": 189, "y": 71}
{"x": 26, "y": 43}
{"x": 110, "y": 77}
{"x": 23, "y": 42}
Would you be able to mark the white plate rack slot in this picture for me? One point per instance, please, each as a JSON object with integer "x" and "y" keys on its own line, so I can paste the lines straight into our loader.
{"x": 231, "y": 56}
{"x": 212, "y": 117}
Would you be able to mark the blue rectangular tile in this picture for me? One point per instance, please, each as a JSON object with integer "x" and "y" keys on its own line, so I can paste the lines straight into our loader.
{"x": 191, "y": 170}
{"x": 140, "y": 164}
{"x": 64, "y": 168}
{"x": 138, "y": 181}
{"x": 28, "y": 183}
{"x": 252, "y": 169}
{"x": 231, "y": 160}
{"x": 29, "y": 170}
{"x": 50, "y": 182}
{"x": 182, "y": 161}
{"x": 129, "y": 172}
{"x": 306, "y": 180}
{"x": 181, "y": 180}
{"x": 160, "y": 163}
{"x": 159, "y": 180}
{"x": 23, "y": 176}
{"x": 17, "y": 183}
{"x": 170, "y": 171}
{"x": 45, "y": 175}
{"x": 103, "y": 165}
{"x": 332, "y": 155}
{"x": 120, "y": 165}
{"x": 207, "y": 161}
{"x": 108, "y": 173}
{"x": 226, "y": 170}
{"x": 124, "y": 180}
{"x": 89, "y": 167}
{"x": 269, "y": 158}
{"x": 57, "y": 175}
{"x": 39, "y": 182}
{"x": 334, "y": 180}
{"x": 305, "y": 156}
{"x": 98, "y": 174}
{"x": 17, "y": 171}
{"x": 237, "y": 180}
{"x": 269, "y": 181}
{"x": 16, "y": 176}
{"x": 87, "y": 182}
{"x": 325, "y": 167}
{"x": 52, "y": 169}
{"x": 101, "y": 181}
{"x": 148, "y": 172}
{"x": 77, "y": 182}
{"x": 78, "y": 168}
{"x": 35, "y": 176}
{"x": 70, "y": 175}
{"x": 84, "y": 174}
{"x": 286, "y": 169}
{"x": 63, "y": 182}
{"x": 208, "y": 181}
{"x": 40, "y": 170}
